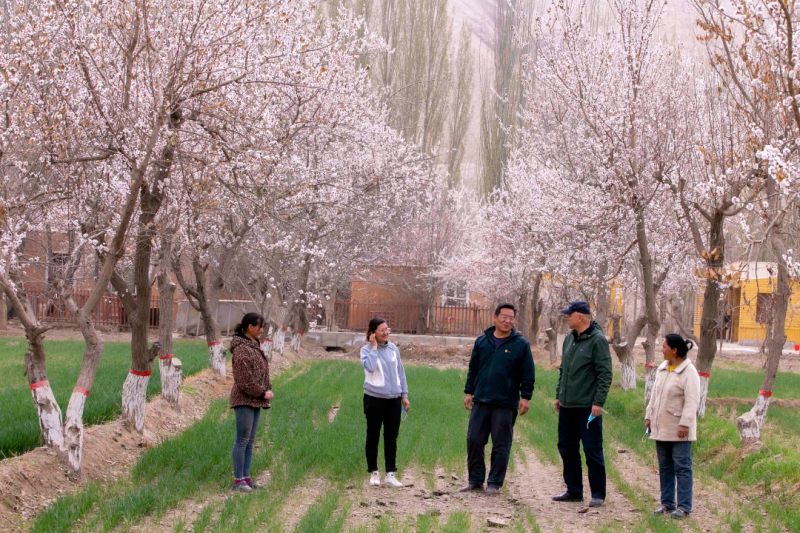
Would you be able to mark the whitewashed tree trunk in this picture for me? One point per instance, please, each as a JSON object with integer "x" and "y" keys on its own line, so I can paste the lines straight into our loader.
{"x": 650, "y": 366}
{"x": 266, "y": 349}
{"x": 216, "y": 353}
{"x": 649, "y": 382}
{"x": 171, "y": 370}
{"x": 701, "y": 404}
{"x": 297, "y": 339}
{"x": 169, "y": 367}
{"x": 751, "y": 422}
{"x": 627, "y": 371}
{"x": 552, "y": 345}
{"x": 624, "y": 350}
{"x": 50, "y": 421}
{"x": 73, "y": 429}
{"x": 280, "y": 337}
{"x": 134, "y": 398}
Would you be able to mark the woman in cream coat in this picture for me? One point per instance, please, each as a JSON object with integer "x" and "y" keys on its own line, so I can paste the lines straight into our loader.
{"x": 672, "y": 418}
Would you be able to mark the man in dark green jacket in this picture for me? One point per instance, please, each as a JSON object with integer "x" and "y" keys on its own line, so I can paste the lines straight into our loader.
{"x": 500, "y": 370}
{"x": 584, "y": 380}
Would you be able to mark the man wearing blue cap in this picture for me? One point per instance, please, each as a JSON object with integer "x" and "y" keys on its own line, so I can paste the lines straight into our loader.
{"x": 584, "y": 380}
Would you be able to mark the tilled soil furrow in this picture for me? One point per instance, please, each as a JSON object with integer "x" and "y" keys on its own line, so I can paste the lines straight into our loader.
{"x": 711, "y": 502}
{"x": 534, "y": 483}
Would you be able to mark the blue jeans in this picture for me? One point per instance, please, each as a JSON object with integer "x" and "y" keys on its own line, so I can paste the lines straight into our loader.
{"x": 246, "y": 427}
{"x": 675, "y": 463}
{"x": 572, "y": 431}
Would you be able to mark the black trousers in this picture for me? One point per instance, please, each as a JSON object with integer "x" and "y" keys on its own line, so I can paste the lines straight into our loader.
{"x": 572, "y": 431}
{"x": 386, "y": 412}
{"x": 484, "y": 420}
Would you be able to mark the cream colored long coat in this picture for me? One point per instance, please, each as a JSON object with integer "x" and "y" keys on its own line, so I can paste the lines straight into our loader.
{"x": 674, "y": 402}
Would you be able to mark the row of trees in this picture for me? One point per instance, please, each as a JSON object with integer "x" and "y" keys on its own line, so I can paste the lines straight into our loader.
{"x": 237, "y": 146}
{"x": 273, "y": 149}
{"x": 633, "y": 165}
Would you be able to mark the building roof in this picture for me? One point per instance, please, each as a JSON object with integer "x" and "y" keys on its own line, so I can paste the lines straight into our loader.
{"x": 755, "y": 270}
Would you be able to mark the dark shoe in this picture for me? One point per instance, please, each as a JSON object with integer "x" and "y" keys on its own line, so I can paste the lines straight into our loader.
{"x": 491, "y": 490}
{"x": 467, "y": 488}
{"x": 597, "y": 502}
{"x": 241, "y": 487}
{"x": 567, "y": 497}
{"x": 663, "y": 510}
{"x": 679, "y": 514}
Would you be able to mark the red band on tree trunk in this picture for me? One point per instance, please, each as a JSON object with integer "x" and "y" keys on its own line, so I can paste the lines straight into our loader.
{"x": 704, "y": 374}
{"x": 140, "y": 374}
{"x": 650, "y": 365}
{"x": 300, "y": 332}
{"x": 766, "y": 393}
{"x": 283, "y": 329}
{"x": 38, "y": 384}
{"x": 168, "y": 356}
{"x": 214, "y": 343}
{"x": 83, "y": 391}
{"x": 266, "y": 340}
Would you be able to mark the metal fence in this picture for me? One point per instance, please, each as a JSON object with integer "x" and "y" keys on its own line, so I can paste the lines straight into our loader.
{"x": 411, "y": 317}
{"x": 50, "y": 308}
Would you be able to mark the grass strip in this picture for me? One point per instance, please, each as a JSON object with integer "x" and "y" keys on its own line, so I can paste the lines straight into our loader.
{"x": 19, "y": 425}
{"x": 296, "y": 441}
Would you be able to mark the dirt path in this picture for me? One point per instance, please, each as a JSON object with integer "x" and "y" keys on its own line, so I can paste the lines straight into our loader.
{"x": 529, "y": 487}
{"x": 711, "y": 501}
{"x": 534, "y": 483}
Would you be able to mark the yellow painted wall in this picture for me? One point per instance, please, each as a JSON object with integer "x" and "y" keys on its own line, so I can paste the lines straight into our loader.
{"x": 748, "y": 328}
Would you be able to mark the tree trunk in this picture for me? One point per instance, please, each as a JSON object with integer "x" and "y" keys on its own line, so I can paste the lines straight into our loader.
{"x": 169, "y": 367}
{"x": 73, "y": 422}
{"x": 330, "y": 314}
{"x": 47, "y": 408}
{"x": 537, "y": 306}
{"x": 267, "y": 341}
{"x": 624, "y": 352}
{"x": 707, "y": 349}
{"x": 650, "y": 291}
{"x": 134, "y": 390}
{"x": 751, "y": 423}
{"x": 3, "y": 312}
{"x": 650, "y": 365}
{"x": 280, "y": 333}
{"x": 627, "y": 369}
{"x": 300, "y": 328}
{"x": 299, "y": 314}
{"x": 602, "y": 298}
{"x": 552, "y": 344}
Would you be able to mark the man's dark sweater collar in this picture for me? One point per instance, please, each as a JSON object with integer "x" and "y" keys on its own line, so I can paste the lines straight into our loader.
{"x": 587, "y": 331}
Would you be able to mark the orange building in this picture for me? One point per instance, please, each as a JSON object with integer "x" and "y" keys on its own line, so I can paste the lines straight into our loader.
{"x": 401, "y": 295}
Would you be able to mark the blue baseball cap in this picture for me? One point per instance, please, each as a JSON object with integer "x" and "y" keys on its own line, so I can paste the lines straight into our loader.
{"x": 578, "y": 307}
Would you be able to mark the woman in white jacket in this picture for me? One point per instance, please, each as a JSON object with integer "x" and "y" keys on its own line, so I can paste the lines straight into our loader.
{"x": 672, "y": 419}
{"x": 385, "y": 394}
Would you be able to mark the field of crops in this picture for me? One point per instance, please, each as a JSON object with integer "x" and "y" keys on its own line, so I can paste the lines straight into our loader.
{"x": 300, "y": 443}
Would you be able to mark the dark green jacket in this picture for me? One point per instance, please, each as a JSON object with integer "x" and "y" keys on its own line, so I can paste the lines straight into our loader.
{"x": 500, "y": 375}
{"x": 584, "y": 377}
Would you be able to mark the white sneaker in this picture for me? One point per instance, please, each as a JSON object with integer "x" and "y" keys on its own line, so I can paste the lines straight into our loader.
{"x": 375, "y": 478}
{"x": 391, "y": 480}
